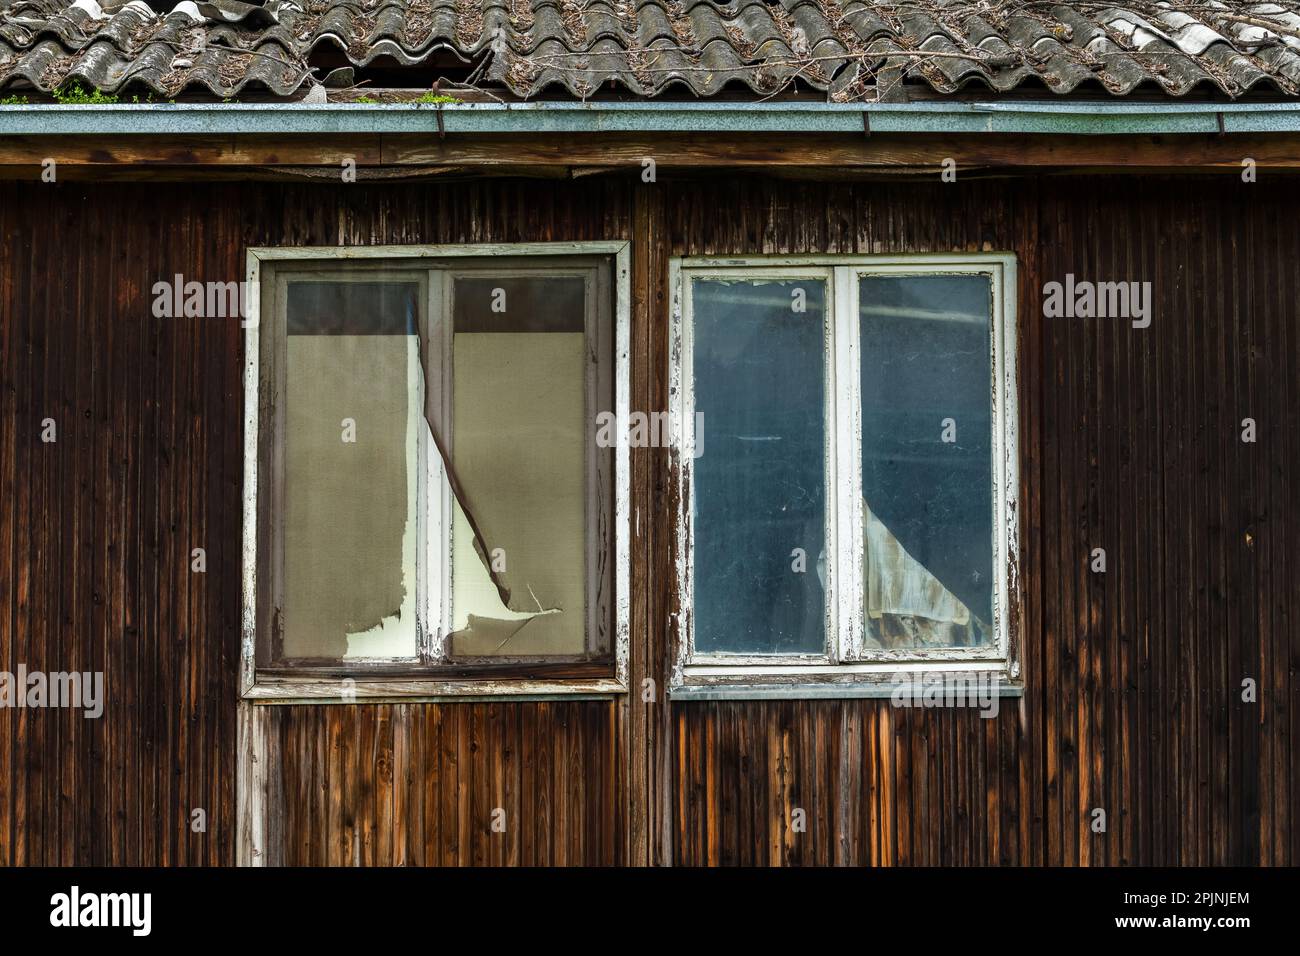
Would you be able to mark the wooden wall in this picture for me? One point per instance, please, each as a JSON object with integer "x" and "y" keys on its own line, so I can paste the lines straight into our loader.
{"x": 1130, "y": 441}
{"x": 422, "y": 785}
{"x": 96, "y": 532}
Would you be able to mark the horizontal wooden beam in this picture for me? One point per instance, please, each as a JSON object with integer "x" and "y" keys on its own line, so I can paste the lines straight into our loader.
{"x": 608, "y": 152}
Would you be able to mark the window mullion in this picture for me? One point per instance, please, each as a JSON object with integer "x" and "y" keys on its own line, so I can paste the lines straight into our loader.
{"x": 847, "y": 468}
{"x": 435, "y": 506}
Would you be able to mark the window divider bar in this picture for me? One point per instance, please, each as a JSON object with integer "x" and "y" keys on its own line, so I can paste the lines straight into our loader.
{"x": 847, "y": 405}
{"x": 835, "y": 570}
{"x": 436, "y": 508}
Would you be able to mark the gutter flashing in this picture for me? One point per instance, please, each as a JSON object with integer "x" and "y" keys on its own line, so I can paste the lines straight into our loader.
{"x": 1052, "y": 118}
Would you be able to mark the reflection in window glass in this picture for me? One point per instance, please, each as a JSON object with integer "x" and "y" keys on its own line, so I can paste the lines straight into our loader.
{"x": 759, "y": 480}
{"x": 353, "y": 421}
{"x": 518, "y": 444}
{"x": 926, "y": 460}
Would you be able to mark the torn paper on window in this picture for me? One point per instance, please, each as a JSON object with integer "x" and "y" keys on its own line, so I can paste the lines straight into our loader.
{"x": 927, "y": 458}
{"x": 907, "y": 606}
{"x": 510, "y": 459}
{"x": 352, "y": 420}
{"x": 520, "y": 457}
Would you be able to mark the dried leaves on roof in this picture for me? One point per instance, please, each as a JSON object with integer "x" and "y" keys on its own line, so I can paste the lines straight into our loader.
{"x": 848, "y": 49}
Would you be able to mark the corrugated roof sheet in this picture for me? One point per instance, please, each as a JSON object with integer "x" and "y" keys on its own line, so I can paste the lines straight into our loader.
{"x": 848, "y": 49}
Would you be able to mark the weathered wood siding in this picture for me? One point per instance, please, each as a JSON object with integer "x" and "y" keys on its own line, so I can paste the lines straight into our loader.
{"x": 423, "y": 785}
{"x": 1130, "y": 442}
{"x": 96, "y": 532}
{"x": 97, "y": 528}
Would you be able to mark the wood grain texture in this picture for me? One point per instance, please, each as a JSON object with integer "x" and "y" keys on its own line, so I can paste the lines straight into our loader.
{"x": 466, "y": 784}
{"x": 546, "y": 153}
{"x": 97, "y": 530}
{"x": 1130, "y": 441}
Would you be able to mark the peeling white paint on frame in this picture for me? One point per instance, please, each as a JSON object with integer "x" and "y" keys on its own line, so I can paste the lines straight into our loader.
{"x": 847, "y": 660}
{"x": 316, "y": 689}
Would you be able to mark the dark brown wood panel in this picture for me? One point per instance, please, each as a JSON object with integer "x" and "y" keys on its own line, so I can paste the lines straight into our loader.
{"x": 97, "y": 529}
{"x": 465, "y": 784}
{"x": 1130, "y": 441}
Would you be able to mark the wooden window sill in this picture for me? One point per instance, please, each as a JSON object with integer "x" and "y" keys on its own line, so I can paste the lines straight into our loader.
{"x": 514, "y": 683}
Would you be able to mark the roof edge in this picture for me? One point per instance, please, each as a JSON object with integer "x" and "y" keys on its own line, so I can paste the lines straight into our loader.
{"x": 1059, "y": 118}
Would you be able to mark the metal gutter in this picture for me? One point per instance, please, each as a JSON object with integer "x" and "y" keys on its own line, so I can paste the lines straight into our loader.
{"x": 1056, "y": 118}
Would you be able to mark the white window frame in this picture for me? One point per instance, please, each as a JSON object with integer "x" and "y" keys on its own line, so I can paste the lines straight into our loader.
{"x": 359, "y": 685}
{"x": 847, "y": 666}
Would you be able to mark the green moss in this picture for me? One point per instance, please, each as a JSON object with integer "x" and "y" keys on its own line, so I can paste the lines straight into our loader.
{"x": 14, "y": 101}
{"x": 432, "y": 97}
{"x": 74, "y": 94}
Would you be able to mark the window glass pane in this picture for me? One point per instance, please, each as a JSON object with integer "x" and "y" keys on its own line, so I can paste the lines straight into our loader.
{"x": 353, "y": 421}
{"x": 927, "y": 460}
{"x": 518, "y": 445}
{"x": 759, "y": 478}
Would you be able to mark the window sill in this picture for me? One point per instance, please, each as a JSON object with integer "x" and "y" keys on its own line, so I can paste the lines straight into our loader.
{"x": 808, "y": 690}
{"x": 333, "y": 690}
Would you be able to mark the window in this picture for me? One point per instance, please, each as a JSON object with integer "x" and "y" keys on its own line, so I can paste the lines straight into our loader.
{"x": 848, "y": 455}
{"x": 432, "y": 512}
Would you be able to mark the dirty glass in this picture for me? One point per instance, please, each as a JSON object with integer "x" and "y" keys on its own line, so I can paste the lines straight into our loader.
{"x": 927, "y": 478}
{"x": 759, "y": 478}
{"x": 353, "y": 406}
{"x": 517, "y": 440}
